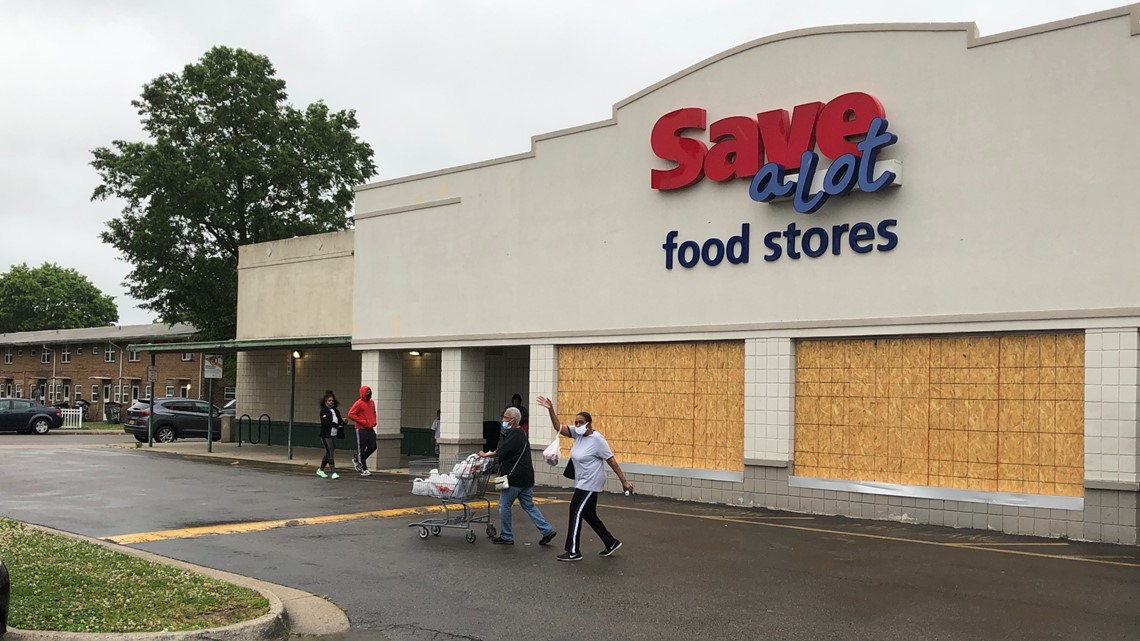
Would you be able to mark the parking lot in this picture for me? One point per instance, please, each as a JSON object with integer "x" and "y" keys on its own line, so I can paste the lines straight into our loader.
{"x": 686, "y": 571}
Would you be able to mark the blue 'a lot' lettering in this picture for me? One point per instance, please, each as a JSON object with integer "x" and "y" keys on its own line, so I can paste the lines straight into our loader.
{"x": 841, "y": 178}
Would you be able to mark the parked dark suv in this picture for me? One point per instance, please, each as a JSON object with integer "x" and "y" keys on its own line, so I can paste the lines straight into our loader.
{"x": 174, "y": 418}
{"x": 28, "y": 417}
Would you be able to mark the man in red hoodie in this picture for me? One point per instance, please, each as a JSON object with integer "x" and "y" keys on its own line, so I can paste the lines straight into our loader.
{"x": 363, "y": 414}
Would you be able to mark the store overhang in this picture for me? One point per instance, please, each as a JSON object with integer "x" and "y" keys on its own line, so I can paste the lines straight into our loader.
{"x": 246, "y": 345}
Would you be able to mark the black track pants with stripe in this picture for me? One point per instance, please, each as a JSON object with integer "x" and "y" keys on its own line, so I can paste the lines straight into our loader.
{"x": 584, "y": 507}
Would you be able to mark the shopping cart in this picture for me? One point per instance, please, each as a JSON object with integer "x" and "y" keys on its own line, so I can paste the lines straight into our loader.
{"x": 461, "y": 485}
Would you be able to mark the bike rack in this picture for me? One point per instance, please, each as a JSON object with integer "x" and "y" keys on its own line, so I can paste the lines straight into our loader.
{"x": 268, "y": 428}
{"x": 262, "y": 421}
{"x": 247, "y": 421}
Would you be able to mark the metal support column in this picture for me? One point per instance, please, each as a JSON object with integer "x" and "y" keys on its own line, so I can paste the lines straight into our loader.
{"x": 292, "y": 393}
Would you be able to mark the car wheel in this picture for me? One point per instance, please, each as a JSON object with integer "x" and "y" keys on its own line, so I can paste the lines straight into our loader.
{"x": 141, "y": 438}
{"x": 41, "y": 426}
{"x": 164, "y": 434}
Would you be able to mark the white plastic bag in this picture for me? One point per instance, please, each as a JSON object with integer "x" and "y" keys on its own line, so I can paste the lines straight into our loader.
{"x": 420, "y": 487}
{"x": 552, "y": 452}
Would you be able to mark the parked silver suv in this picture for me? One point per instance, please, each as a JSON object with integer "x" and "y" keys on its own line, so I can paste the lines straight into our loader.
{"x": 174, "y": 418}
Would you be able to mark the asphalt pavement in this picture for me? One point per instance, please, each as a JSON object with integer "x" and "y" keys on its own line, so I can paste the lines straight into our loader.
{"x": 686, "y": 571}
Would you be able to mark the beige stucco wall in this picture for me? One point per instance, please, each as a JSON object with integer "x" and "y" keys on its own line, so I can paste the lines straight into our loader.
{"x": 296, "y": 287}
{"x": 419, "y": 389}
{"x": 1018, "y": 177}
{"x": 263, "y": 382}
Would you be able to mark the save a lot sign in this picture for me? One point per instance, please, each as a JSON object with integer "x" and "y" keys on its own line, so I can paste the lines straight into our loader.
{"x": 778, "y": 155}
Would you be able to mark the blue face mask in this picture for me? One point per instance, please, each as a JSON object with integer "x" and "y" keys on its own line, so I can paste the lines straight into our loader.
{"x": 506, "y": 426}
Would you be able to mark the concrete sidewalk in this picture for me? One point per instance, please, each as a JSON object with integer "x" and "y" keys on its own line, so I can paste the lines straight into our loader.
{"x": 302, "y": 456}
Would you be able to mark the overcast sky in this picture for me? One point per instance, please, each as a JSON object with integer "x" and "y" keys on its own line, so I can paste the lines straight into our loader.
{"x": 434, "y": 83}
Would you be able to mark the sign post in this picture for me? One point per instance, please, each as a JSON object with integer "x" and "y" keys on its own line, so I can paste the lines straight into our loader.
{"x": 213, "y": 370}
{"x": 152, "y": 378}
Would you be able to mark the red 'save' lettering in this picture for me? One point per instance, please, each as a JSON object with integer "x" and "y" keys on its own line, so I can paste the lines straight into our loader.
{"x": 740, "y": 144}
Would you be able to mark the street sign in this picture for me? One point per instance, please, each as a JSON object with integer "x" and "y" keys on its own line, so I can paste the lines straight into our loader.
{"x": 152, "y": 374}
{"x": 213, "y": 367}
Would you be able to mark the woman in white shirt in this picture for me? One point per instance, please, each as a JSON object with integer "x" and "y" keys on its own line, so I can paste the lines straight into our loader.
{"x": 590, "y": 450}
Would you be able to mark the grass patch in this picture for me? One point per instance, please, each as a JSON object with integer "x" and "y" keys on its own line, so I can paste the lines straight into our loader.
{"x": 73, "y": 586}
{"x": 93, "y": 425}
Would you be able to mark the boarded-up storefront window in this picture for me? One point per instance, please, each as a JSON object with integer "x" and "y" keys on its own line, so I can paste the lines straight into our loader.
{"x": 671, "y": 404}
{"x": 992, "y": 413}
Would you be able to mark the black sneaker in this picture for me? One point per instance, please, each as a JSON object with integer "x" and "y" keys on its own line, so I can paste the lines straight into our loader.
{"x": 610, "y": 550}
{"x": 566, "y": 556}
{"x": 498, "y": 540}
{"x": 548, "y": 538}
{"x": 356, "y": 464}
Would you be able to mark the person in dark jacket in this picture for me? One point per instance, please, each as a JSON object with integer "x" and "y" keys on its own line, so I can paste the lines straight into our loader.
{"x": 331, "y": 424}
{"x": 513, "y": 451}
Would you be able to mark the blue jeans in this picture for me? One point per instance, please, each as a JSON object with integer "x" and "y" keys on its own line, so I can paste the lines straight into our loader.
{"x": 526, "y": 500}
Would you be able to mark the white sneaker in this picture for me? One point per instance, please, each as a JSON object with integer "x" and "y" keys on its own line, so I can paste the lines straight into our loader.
{"x": 366, "y": 473}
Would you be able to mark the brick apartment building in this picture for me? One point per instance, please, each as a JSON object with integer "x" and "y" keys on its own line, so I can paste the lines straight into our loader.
{"x": 93, "y": 364}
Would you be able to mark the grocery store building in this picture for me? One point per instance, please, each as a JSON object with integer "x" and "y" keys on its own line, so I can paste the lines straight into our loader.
{"x": 883, "y": 271}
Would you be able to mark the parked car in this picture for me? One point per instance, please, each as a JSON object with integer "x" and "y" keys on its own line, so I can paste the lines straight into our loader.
{"x": 28, "y": 417}
{"x": 174, "y": 418}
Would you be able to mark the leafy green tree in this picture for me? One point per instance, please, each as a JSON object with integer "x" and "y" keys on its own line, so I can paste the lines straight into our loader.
{"x": 51, "y": 297}
{"x": 229, "y": 162}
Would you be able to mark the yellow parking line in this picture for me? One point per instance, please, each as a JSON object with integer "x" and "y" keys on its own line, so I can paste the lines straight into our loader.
{"x": 261, "y": 526}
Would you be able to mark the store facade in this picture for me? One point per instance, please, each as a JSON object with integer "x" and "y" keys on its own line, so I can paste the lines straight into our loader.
{"x": 882, "y": 271}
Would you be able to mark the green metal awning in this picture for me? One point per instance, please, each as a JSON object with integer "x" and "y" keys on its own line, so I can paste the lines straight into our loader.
{"x": 245, "y": 345}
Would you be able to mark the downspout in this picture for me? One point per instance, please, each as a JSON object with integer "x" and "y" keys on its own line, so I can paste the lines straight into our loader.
{"x": 120, "y": 359}
{"x": 52, "y": 372}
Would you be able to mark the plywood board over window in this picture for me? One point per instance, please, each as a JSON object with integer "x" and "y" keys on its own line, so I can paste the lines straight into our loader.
{"x": 991, "y": 413}
{"x": 668, "y": 404}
